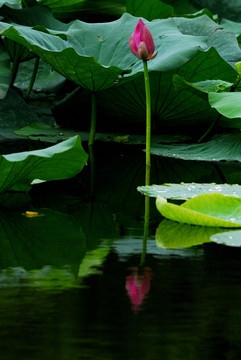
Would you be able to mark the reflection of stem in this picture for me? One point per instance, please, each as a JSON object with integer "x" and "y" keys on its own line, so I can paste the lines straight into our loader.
{"x": 146, "y": 229}
{"x": 148, "y": 123}
{"x": 93, "y": 120}
{"x": 92, "y": 170}
{"x": 33, "y": 77}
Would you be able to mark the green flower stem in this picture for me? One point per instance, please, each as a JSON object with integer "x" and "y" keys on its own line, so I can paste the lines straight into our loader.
{"x": 146, "y": 230}
{"x": 148, "y": 123}
{"x": 93, "y": 120}
{"x": 33, "y": 77}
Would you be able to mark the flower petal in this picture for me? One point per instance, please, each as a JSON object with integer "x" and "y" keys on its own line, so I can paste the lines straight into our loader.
{"x": 132, "y": 45}
{"x": 146, "y": 36}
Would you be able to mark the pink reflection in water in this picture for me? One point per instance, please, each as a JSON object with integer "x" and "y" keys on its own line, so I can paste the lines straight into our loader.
{"x": 138, "y": 285}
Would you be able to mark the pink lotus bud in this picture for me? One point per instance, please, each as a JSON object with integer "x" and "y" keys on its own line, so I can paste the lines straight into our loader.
{"x": 141, "y": 42}
{"x": 138, "y": 286}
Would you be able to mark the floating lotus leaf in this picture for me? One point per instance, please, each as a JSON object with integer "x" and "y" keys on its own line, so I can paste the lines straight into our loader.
{"x": 186, "y": 191}
{"x": 207, "y": 210}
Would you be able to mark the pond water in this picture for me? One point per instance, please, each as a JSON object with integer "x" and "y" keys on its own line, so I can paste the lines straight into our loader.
{"x": 71, "y": 284}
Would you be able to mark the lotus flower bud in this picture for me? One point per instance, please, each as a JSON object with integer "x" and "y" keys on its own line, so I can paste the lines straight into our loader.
{"x": 141, "y": 42}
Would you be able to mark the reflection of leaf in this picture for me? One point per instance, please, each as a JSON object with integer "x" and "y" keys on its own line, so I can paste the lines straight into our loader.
{"x": 60, "y": 161}
{"x": 186, "y": 191}
{"x": 51, "y": 239}
{"x": 224, "y": 147}
{"x": 231, "y": 238}
{"x": 172, "y": 235}
{"x": 206, "y": 210}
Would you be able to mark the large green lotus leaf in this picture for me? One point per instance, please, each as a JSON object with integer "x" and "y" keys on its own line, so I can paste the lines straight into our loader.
{"x": 81, "y": 68}
{"x": 172, "y": 235}
{"x": 224, "y": 147}
{"x": 153, "y": 9}
{"x": 95, "y": 56}
{"x": 206, "y": 210}
{"x": 226, "y": 103}
{"x": 61, "y": 161}
{"x": 5, "y": 72}
{"x": 186, "y": 191}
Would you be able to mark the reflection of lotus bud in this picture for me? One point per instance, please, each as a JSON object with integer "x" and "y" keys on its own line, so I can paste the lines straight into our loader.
{"x": 138, "y": 285}
{"x": 141, "y": 42}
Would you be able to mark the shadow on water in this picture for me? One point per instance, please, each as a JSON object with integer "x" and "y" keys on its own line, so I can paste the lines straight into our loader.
{"x": 77, "y": 283}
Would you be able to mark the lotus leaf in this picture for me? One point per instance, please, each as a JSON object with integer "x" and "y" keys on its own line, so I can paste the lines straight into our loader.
{"x": 186, "y": 191}
{"x": 206, "y": 209}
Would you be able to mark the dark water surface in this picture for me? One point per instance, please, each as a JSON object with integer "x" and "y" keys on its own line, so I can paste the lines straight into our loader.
{"x": 71, "y": 284}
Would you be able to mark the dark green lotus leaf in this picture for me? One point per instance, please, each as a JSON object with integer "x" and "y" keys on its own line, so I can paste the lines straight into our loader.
{"x": 153, "y": 9}
{"x": 206, "y": 210}
{"x": 185, "y": 191}
{"x": 35, "y": 16}
{"x": 225, "y": 147}
{"x": 172, "y": 235}
{"x": 60, "y": 161}
{"x": 182, "y": 7}
{"x": 228, "y": 9}
{"x": 5, "y": 72}
{"x": 87, "y": 10}
{"x": 14, "y": 112}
